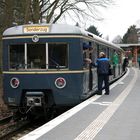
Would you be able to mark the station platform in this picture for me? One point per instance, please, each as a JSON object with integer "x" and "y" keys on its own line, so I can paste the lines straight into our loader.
{"x": 102, "y": 117}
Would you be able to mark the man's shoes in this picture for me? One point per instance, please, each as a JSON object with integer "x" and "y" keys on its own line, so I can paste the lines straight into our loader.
{"x": 106, "y": 93}
{"x": 99, "y": 93}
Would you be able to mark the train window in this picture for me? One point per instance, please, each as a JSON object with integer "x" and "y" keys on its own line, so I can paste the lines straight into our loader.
{"x": 17, "y": 57}
{"x": 103, "y": 49}
{"x": 94, "y": 54}
{"x": 111, "y": 52}
{"x": 33, "y": 56}
{"x": 36, "y": 56}
{"x": 58, "y": 55}
{"x": 90, "y": 52}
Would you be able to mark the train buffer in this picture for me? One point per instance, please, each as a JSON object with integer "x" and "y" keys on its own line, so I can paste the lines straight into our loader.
{"x": 102, "y": 117}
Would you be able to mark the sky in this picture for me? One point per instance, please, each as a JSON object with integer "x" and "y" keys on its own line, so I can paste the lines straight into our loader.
{"x": 119, "y": 17}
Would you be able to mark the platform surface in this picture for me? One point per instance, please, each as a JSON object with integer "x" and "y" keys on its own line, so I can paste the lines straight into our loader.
{"x": 102, "y": 117}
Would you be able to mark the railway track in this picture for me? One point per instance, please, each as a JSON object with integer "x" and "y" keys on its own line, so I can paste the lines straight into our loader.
{"x": 6, "y": 120}
{"x": 13, "y": 130}
{"x": 8, "y": 128}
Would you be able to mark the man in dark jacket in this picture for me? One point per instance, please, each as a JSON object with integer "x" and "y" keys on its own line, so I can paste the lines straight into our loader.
{"x": 103, "y": 66}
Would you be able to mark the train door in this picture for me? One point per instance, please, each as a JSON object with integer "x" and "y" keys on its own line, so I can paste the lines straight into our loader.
{"x": 89, "y": 54}
{"x": 93, "y": 55}
{"x": 90, "y": 72}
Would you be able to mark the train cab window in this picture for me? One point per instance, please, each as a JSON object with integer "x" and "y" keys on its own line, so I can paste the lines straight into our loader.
{"x": 58, "y": 55}
{"x": 36, "y": 56}
{"x": 39, "y": 56}
{"x": 17, "y": 57}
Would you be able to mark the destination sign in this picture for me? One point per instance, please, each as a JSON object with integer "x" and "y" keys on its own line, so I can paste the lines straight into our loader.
{"x": 35, "y": 29}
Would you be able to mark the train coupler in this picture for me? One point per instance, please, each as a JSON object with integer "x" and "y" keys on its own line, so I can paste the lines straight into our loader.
{"x": 34, "y": 98}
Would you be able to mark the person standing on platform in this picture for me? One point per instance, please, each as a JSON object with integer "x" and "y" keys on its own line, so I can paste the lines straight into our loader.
{"x": 139, "y": 61}
{"x": 103, "y": 65}
{"x": 115, "y": 60}
{"x": 125, "y": 63}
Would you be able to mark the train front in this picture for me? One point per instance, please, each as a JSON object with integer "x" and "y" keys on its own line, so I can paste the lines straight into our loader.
{"x": 36, "y": 72}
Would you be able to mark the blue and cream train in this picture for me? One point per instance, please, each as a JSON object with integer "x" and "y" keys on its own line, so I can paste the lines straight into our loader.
{"x": 44, "y": 65}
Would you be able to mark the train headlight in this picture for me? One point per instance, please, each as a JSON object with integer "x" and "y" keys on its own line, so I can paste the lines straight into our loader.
{"x": 60, "y": 82}
{"x": 35, "y": 38}
{"x": 14, "y": 82}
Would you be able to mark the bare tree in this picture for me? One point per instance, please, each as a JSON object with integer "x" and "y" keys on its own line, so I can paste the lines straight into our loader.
{"x": 7, "y": 9}
{"x": 53, "y": 10}
{"x": 117, "y": 39}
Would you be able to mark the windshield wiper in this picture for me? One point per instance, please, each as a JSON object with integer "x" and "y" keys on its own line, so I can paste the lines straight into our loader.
{"x": 55, "y": 63}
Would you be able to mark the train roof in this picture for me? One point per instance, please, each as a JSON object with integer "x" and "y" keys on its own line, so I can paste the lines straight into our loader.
{"x": 43, "y": 29}
{"x": 50, "y": 29}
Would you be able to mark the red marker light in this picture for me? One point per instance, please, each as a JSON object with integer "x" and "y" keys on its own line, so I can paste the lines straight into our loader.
{"x": 14, "y": 82}
{"x": 60, "y": 82}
